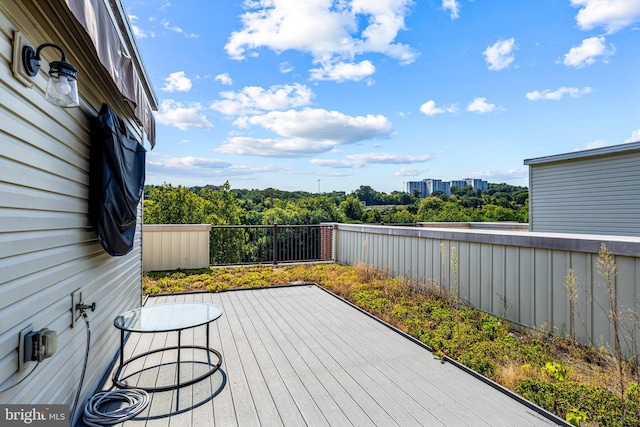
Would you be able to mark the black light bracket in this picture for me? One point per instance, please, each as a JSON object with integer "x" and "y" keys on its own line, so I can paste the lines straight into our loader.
{"x": 31, "y": 61}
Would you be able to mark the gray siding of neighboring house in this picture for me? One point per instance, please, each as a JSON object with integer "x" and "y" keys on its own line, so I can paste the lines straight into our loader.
{"x": 591, "y": 192}
{"x": 47, "y": 247}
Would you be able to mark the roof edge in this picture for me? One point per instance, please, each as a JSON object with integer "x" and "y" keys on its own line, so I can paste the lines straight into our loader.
{"x": 603, "y": 151}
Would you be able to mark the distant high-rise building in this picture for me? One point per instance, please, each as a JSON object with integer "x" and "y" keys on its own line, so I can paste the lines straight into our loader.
{"x": 477, "y": 184}
{"x": 428, "y": 186}
{"x": 434, "y": 185}
{"x": 416, "y": 188}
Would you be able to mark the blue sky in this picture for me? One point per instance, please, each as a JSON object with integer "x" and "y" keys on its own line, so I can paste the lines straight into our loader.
{"x": 334, "y": 94}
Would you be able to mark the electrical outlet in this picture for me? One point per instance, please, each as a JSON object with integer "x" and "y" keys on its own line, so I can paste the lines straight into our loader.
{"x": 21, "y": 347}
{"x": 76, "y": 298}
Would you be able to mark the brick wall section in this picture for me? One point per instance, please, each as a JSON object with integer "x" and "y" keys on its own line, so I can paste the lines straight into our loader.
{"x": 326, "y": 243}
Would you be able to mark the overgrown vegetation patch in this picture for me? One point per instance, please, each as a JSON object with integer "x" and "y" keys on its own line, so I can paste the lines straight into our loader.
{"x": 580, "y": 384}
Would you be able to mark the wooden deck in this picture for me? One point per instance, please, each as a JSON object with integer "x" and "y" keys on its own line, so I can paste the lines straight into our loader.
{"x": 297, "y": 356}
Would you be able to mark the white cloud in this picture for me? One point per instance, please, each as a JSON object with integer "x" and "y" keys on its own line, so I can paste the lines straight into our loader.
{"x": 255, "y": 99}
{"x": 557, "y": 94}
{"x": 333, "y": 32}
{"x": 198, "y": 171}
{"x": 592, "y": 145}
{"x": 285, "y": 67}
{"x": 360, "y": 160}
{"x": 275, "y": 147}
{"x": 306, "y": 132}
{"x": 405, "y": 171}
{"x": 224, "y": 79}
{"x": 516, "y": 172}
{"x": 429, "y": 108}
{"x": 613, "y": 15}
{"x": 336, "y": 164}
{"x": 322, "y": 125}
{"x": 137, "y": 31}
{"x": 596, "y": 144}
{"x": 177, "y": 29}
{"x": 388, "y": 158}
{"x": 343, "y": 71}
{"x": 500, "y": 55}
{"x": 588, "y": 52}
{"x": 635, "y": 136}
{"x": 177, "y": 82}
{"x": 193, "y": 162}
{"x": 184, "y": 117}
{"x": 453, "y": 6}
{"x": 480, "y": 105}
{"x": 507, "y": 175}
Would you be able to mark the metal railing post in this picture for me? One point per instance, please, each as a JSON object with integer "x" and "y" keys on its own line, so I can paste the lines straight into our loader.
{"x": 275, "y": 244}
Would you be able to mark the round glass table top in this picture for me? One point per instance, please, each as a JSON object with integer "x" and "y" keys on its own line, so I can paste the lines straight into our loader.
{"x": 167, "y": 317}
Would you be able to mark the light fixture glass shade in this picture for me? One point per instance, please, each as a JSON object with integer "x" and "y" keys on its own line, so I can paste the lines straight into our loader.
{"x": 62, "y": 87}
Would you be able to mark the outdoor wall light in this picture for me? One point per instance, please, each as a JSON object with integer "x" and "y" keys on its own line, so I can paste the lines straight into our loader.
{"x": 62, "y": 87}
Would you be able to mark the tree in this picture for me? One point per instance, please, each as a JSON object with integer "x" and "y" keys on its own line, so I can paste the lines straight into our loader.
{"x": 281, "y": 216}
{"x": 173, "y": 205}
{"x": 429, "y": 203}
{"x": 402, "y": 217}
{"x": 352, "y": 208}
{"x": 401, "y": 198}
{"x": 498, "y": 213}
{"x": 373, "y": 216}
{"x": 221, "y": 207}
{"x": 323, "y": 209}
{"x": 368, "y": 195}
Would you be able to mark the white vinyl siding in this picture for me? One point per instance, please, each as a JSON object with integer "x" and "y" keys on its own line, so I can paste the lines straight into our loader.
{"x": 47, "y": 247}
{"x": 176, "y": 246}
{"x": 591, "y": 195}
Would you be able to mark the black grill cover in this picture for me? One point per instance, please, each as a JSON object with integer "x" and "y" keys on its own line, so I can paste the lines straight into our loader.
{"x": 116, "y": 182}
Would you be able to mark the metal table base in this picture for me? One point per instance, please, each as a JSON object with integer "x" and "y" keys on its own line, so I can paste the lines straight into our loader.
{"x": 118, "y": 381}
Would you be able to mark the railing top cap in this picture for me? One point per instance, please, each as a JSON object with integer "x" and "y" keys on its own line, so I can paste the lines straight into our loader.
{"x": 617, "y": 245}
{"x": 176, "y": 227}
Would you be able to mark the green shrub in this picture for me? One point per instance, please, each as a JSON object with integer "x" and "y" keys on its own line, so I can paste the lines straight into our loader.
{"x": 152, "y": 289}
{"x": 602, "y": 406}
{"x": 371, "y": 299}
{"x": 482, "y": 358}
{"x": 217, "y": 286}
{"x": 492, "y": 327}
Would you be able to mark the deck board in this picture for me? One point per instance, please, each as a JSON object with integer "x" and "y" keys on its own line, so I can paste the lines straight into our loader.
{"x": 406, "y": 365}
{"x": 386, "y": 349}
{"x": 422, "y": 407}
{"x": 297, "y": 379}
{"x": 296, "y": 356}
{"x": 255, "y": 332}
{"x": 332, "y": 375}
{"x": 442, "y": 375}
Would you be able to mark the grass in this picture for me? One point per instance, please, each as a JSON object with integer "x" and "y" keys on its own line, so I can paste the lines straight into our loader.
{"x": 577, "y": 383}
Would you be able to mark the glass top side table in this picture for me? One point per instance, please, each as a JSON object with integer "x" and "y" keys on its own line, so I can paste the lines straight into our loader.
{"x": 172, "y": 317}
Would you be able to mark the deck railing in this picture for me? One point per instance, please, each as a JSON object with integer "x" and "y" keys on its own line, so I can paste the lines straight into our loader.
{"x": 515, "y": 274}
{"x": 272, "y": 244}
